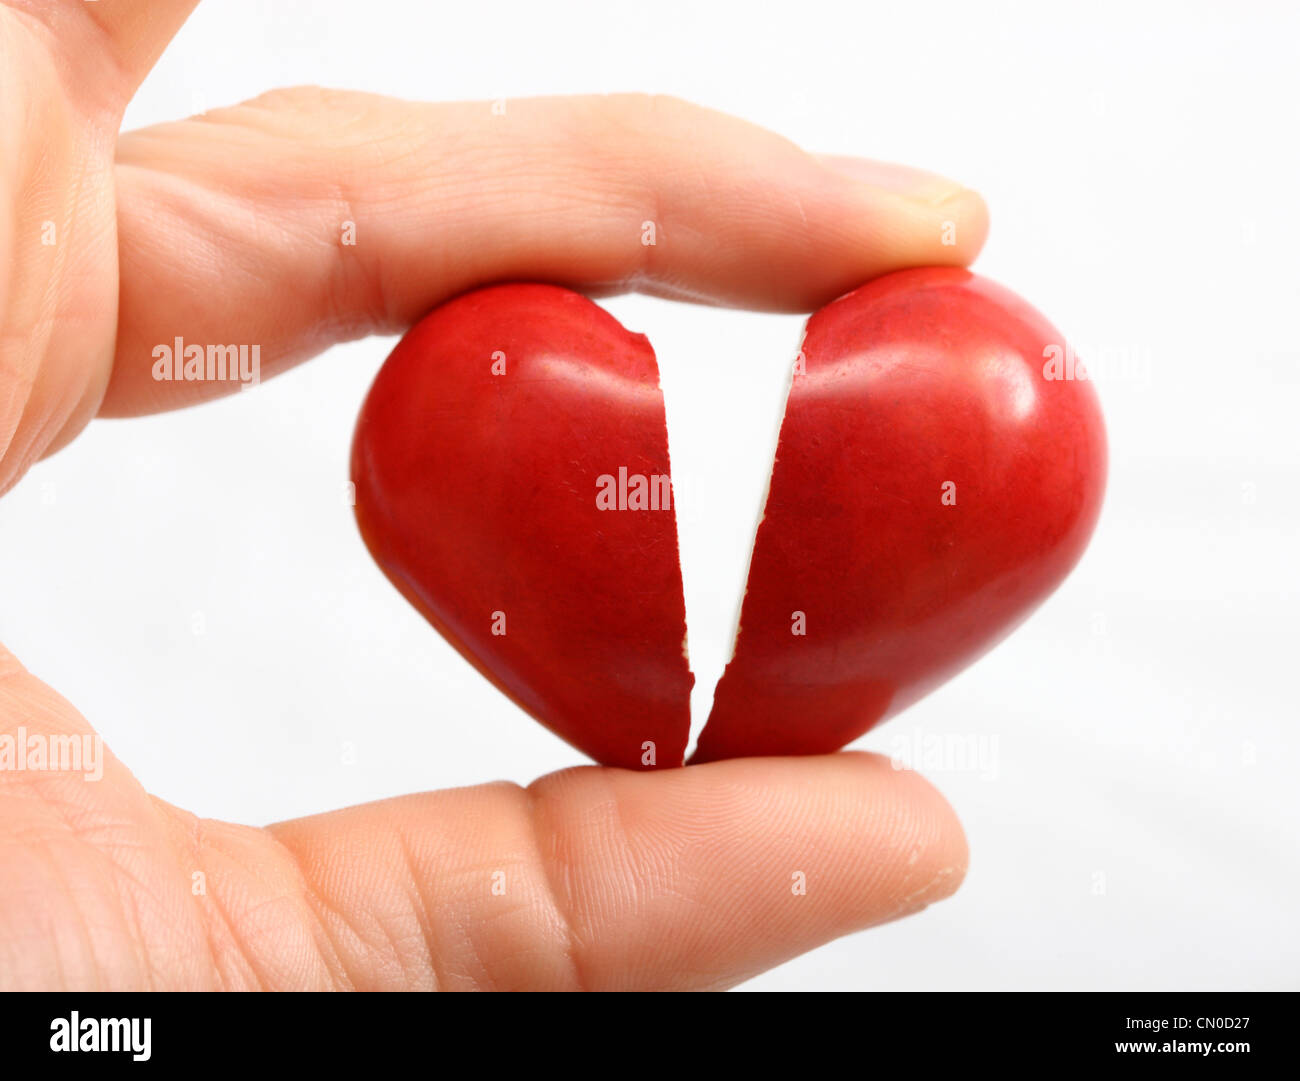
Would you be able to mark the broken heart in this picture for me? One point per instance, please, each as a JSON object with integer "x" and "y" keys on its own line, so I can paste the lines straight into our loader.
{"x": 934, "y": 482}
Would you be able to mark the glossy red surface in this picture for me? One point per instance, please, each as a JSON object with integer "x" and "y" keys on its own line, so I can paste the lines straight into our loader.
{"x": 476, "y": 493}
{"x": 917, "y": 380}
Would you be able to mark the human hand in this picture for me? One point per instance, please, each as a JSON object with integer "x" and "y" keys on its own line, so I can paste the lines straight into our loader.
{"x": 228, "y": 228}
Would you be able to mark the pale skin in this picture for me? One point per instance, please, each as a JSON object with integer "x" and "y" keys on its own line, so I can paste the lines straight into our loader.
{"x": 227, "y": 228}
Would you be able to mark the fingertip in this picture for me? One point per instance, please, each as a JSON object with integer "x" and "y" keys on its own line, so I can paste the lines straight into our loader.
{"x": 923, "y": 218}
{"x": 909, "y": 850}
{"x": 940, "y": 858}
{"x": 950, "y": 232}
{"x": 969, "y": 212}
{"x": 740, "y": 864}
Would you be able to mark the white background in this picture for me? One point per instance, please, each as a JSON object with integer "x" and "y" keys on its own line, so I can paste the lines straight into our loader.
{"x": 195, "y": 583}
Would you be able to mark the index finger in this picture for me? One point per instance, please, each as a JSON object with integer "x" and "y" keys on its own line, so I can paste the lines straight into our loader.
{"x": 308, "y": 217}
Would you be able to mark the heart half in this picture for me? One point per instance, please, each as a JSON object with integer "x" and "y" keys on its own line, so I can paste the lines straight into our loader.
{"x": 485, "y": 460}
{"x": 934, "y": 481}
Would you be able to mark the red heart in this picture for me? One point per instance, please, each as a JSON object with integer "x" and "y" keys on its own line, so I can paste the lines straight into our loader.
{"x": 934, "y": 482}
{"x": 475, "y": 462}
{"x": 932, "y": 485}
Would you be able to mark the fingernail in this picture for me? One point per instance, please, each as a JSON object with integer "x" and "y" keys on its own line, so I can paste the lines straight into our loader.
{"x": 916, "y": 184}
